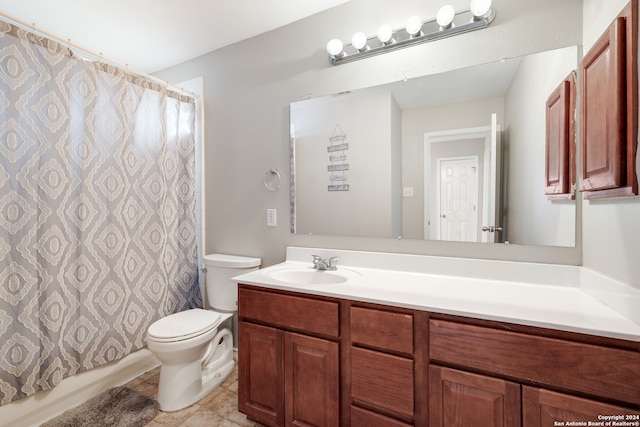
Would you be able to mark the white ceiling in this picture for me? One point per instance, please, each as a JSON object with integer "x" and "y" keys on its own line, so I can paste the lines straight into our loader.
{"x": 150, "y": 35}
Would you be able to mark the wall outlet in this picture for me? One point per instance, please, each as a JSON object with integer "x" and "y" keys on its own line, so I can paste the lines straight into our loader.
{"x": 271, "y": 218}
{"x": 407, "y": 192}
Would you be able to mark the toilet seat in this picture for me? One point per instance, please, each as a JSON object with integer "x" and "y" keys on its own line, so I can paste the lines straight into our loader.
{"x": 183, "y": 325}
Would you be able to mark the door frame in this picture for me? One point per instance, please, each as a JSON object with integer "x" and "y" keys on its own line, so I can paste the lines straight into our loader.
{"x": 482, "y": 132}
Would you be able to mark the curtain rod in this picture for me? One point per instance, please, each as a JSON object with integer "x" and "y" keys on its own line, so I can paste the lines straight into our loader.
{"x": 97, "y": 55}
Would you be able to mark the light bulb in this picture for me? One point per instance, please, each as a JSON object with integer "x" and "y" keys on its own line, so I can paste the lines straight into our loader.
{"x": 359, "y": 41}
{"x": 414, "y": 25}
{"x": 334, "y": 47}
{"x": 445, "y": 16}
{"x": 385, "y": 34}
{"x": 480, "y": 8}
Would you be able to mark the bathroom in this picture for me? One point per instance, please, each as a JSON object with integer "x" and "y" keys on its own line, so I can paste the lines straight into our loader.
{"x": 249, "y": 86}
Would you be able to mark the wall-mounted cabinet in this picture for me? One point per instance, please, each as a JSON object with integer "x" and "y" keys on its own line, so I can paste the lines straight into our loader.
{"x": 560, "y": 141}
{"x": 609, "y": 110}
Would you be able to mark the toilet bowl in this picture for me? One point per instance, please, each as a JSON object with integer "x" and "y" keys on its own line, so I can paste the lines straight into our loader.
{"x": 195, "y": 347}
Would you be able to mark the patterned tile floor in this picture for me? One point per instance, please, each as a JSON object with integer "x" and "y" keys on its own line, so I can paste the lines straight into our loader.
{"x": 219, "y": 408}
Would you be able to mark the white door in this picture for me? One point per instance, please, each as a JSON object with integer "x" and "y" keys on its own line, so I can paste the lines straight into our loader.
{"x": 458, "y": 199}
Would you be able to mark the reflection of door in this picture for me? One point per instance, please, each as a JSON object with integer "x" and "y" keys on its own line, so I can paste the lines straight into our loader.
{"x": 458, "y": 199}
{"x": 489, "y": 211}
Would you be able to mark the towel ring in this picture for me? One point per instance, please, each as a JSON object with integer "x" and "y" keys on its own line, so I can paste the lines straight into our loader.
{"x": 272, "y": 179}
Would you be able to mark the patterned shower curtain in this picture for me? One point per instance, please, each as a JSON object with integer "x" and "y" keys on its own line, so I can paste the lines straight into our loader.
{"x": 97, "y": 211}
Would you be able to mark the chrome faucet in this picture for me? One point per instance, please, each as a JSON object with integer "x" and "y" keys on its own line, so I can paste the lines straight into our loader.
{"x": 320, "y": 263}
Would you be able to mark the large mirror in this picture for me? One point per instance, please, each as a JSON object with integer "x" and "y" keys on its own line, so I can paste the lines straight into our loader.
{"x": 454, "y": 156}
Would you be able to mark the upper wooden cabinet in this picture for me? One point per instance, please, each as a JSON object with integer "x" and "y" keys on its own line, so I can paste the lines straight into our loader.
{"x": 609, "y": 110}
{"x": 560, "y": 140}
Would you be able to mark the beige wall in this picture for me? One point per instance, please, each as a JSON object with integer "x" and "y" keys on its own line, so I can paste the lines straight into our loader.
{"x": 249, "y": 86}
{"x": 611, "y": 227}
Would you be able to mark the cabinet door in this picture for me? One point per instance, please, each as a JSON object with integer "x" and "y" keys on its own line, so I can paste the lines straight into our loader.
{"x": 463, "y": 399}
{"x": 311, "y": 381}
{"x": 261, "y": 373}
{"x": 559, "y": 139}
{"x": 604, "y": 111}
{"x": 546, "y": 408}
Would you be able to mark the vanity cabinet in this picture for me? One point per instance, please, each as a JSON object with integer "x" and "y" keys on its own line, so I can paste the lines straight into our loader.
{"x": 317, "y": 361}
{"x": 496, "y": 369}
{"x": 288, "y": 367}
{"x": 609, "y": 110}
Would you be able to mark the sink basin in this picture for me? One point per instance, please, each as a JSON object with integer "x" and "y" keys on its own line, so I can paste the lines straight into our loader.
{"x": 311, "y": 276}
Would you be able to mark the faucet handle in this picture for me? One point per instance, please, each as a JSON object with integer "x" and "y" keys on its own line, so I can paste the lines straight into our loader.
{"x": 333, "y": 262}
{"x": 317, "y": 260}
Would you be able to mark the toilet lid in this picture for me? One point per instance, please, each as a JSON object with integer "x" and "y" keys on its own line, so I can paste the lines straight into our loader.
{"x": 184, "y": 325}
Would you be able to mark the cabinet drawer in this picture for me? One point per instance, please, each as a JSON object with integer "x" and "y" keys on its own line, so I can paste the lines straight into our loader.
{"x": 363, "y": 418}
{"x": 383, "y": 329}
{"x": 592, "y": 369}
{"x": 382, "y": 381}
{"x": 289, "y": 311}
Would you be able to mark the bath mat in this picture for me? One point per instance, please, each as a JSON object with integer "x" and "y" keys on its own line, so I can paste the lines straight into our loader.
{"x": 118, "y": 406}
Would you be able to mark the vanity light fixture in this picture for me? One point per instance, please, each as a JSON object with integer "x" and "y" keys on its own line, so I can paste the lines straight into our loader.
{"x": 359, "y": 41}
{"x": 445, "y": 16}
{"x": 385, "y": 35}
{"x": 335, "y": 48}
{"x": 480, "y": 8}
{"x": 447, "y": 23}
{"x": 414, "y": 26}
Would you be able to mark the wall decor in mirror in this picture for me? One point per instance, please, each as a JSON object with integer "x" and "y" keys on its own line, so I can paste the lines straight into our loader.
{"x": 452, "y": 156}
{"x": 609, "y": 114}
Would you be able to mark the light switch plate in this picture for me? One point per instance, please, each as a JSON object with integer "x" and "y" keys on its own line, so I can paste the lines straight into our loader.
{"x": 271, "y": 218}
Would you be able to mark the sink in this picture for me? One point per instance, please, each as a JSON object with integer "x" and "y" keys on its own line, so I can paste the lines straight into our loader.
{"x": 311, "y": 276}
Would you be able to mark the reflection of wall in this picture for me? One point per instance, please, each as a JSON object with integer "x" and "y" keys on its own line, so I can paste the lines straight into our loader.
{"x": 368, "y": 123}
{"x": 415, "y": 123}
{"x": 531, "y": 218}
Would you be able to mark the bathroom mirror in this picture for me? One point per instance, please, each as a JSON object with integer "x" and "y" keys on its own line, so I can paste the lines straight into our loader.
{"x": 454, "y": 156}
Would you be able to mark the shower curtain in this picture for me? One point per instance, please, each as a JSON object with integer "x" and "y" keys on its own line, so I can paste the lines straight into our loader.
{"x": 97, "y": 211}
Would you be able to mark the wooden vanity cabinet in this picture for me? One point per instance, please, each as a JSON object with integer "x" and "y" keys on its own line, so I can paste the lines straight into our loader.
{"x": 316, "y": 361}
{"x": 609, "y": 110}
{"x": 488, "y": 372}
{"x": 288, "y": 366}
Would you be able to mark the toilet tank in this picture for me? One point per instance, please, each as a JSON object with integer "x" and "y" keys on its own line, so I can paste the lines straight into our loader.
{"x": 222, "y": 292}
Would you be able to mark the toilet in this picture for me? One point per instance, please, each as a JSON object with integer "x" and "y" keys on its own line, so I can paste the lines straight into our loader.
{"x": 195, "y": 347}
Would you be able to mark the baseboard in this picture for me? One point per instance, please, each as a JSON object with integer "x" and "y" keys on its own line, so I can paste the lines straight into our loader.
{"x": 72, "y": 391}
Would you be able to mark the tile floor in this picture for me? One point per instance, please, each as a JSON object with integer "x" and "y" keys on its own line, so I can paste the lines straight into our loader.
{"x": 219, "y": 408}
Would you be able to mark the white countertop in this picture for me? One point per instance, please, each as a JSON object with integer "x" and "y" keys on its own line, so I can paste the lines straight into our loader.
{"x": 530, "y": 301}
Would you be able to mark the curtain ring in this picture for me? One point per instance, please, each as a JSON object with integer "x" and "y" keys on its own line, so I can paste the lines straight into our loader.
{"x": 272, "y": 179}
